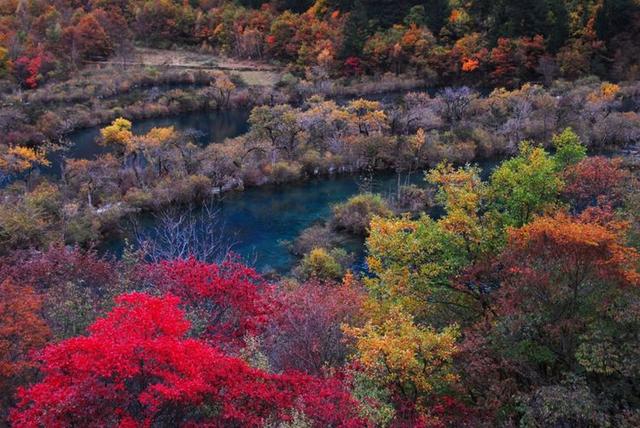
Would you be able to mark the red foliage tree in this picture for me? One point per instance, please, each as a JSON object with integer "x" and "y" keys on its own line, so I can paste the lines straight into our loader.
{"x": 32, "y": 67}
{"x": 503, "y": 59}
{"x": 136, "y": 368}
{"x": 353, "y": 66}
{"x": 88, "y": 39}
{"x": 116, "y": 27}
{"x": 232, "y": 299}
{"x": 306, "y": 332}
{"x": 561, "y": 273}
{"x": 27, "y": 70}
{"x": 563, "y": 259}
{"x": 565, "y": 282}
{"x": 595, "y": 180}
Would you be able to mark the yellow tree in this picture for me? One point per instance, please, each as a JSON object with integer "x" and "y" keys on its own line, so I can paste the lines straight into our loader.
{"x": 120, "y": 136}
{"x": 222, "y": 89}
{"x": 422, "y": 264}
{"x": 367, "y": 115}
{"x": 396, "y": 353}
{"x": 20, "y": 160}
{"x": 156, "y": 145}
{"x": 464, "y": 196}
{"x": 414, "y": 262}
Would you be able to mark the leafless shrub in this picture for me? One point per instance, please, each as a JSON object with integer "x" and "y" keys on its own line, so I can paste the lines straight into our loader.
{"x": 455, "y": 102}
{"x": 179, "y": 233}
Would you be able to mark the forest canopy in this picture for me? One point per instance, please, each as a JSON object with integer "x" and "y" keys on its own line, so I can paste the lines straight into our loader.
{"x": 320, "y": 213}
{"x": 486, "y": 42}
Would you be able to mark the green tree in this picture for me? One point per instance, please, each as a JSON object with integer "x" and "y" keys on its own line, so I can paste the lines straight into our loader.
{"x": 569, "y": 149}
{"x": 437, "y": 13}
{"x": 420, "y": 263}
{"x": 413, "y": 262}
{"x": 614, "y": 17}
{"x": 525, "y": 185}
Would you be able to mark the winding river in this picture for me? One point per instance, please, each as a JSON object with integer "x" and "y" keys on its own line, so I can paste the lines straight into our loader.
{"x": 259, "y": 220}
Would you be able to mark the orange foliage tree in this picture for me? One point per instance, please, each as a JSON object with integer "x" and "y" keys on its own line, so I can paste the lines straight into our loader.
{"x": 22, "y": 330}
{"x": 567, "y": 279}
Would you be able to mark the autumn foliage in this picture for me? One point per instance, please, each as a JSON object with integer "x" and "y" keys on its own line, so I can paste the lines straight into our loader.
{"x": 136, "y": 367}
{"x": 22, "y": 333}
{"x": 502, "y": 297}
{"x": 564, "y": 282}
{"x": 595, "y": 181}
{"x": 573, "y": 251}
{"x": 481, "y": 315}
{"x": 507, "y": 43}
{"x": 230, "y": 299}
{"x": 306, "y": 332}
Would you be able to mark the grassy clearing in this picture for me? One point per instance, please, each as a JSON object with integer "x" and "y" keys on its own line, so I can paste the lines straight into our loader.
{"x": 259, "y": 78}
{"x": 253, "y": 73}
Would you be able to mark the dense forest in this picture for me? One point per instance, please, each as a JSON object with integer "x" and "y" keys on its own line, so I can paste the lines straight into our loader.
{"x": 442, "y": 41}
{"x": 455, "y": 187}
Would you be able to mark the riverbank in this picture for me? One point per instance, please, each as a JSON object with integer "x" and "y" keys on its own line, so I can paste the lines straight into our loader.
{"x": 149, "y": 168}
{"x": 44, "y": 116}
{"x": 201, "y": 126}
{"x": 261, "y": 222}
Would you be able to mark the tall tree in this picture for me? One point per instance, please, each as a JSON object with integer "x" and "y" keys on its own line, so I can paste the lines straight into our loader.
{"x": 22, "y": 331}
{"x": 614, "y": 17}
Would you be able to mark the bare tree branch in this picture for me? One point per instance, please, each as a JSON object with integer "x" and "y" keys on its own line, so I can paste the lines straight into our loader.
{"x": 180, "y": 233}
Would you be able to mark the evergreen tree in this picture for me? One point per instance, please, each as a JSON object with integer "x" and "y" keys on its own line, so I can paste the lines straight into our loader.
{"x": 356, "y": 31}
{"x": 436, "y": 14}
{"x": 615, "y": 17}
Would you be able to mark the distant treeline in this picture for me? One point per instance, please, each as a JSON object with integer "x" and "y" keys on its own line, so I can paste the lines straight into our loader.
{"x": 483, "y": 42}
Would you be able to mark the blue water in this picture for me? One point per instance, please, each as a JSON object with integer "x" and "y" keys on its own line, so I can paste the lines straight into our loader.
{"x": 208, "y": 126}
{"x": 258, "y": 220}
